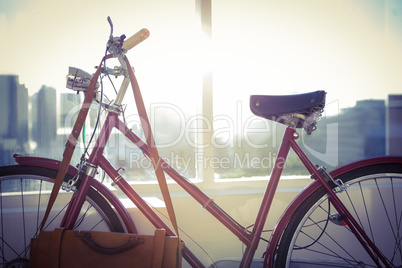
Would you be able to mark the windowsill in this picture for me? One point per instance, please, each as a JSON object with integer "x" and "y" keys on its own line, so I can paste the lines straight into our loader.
{"x": 219, "y": 187}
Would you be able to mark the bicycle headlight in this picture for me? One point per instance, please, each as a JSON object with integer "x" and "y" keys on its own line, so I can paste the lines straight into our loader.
{"x": 78, "y": 79}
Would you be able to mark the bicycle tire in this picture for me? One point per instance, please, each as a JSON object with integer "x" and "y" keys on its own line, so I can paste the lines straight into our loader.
{"x": 316, "y": 236}
{"x": 30, "y": 186}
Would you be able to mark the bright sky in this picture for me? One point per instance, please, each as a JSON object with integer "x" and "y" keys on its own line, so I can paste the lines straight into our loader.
{"x": 350, "y": 48}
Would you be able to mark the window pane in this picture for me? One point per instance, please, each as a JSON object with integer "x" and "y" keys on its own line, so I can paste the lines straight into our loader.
{"x": 350, "y": 49}
{"x": 167, "y": 66}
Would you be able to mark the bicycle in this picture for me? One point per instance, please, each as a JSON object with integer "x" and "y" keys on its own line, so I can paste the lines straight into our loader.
{"x": 348, "y": 217}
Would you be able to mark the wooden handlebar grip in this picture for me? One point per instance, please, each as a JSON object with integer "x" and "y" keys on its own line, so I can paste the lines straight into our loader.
{"x": 136, "y": 39}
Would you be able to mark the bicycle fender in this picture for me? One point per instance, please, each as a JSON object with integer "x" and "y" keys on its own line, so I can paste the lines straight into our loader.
{"x": 42, "y": 162}
{"x": 55, "y": 164}
{"x": 293, "y": 206}
{"x": 366, "y": 162}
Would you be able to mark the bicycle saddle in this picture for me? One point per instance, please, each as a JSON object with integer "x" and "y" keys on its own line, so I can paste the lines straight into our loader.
{"x": 301, "y": 110}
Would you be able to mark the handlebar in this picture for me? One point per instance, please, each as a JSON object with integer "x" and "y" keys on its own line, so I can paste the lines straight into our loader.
{"x": 79, "y": 80}
{"x": 136, "y": 39}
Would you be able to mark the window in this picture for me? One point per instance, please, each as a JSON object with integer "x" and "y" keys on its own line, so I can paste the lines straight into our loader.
{"x": 279, "y": 48}
{"x": 197, "y": 89}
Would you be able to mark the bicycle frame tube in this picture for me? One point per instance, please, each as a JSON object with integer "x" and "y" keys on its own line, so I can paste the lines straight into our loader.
{"x": 250, "y": 240}
{"x": 97, "y": 158}
{"x": 356, "y": 229}
{"x": 76, "y": 204}
{"x": 303, "y": 195}
{"x": 267, "y": 199}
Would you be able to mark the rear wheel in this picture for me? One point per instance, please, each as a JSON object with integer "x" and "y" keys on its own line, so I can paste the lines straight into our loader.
{"x": 317, "y": 236}
{"x": 24, "y": 193}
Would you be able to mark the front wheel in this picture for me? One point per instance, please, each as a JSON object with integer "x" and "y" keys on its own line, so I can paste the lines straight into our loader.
{"x": 24, "y": 193}
{"x": 316, "y": 236}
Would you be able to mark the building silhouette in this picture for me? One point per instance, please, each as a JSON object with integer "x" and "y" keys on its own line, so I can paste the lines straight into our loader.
{"x": 394, "y": 122}
{"x": 44, "y": 124}
{"x": 371, "y": 128}
{"x": 69, "y": 105}
{"x": 13, "y": 118}
{"x": 361, "y": 133}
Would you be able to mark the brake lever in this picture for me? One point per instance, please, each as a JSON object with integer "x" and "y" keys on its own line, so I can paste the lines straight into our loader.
{"x": 114, "y": 45}
{"x": 111, "y": 27}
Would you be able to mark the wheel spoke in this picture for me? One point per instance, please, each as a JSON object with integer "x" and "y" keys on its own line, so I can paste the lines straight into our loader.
{"x": 397, "y": 247}
{"x": 366, "y": 212}
{"x": 2, "y": 222}
{"x": 373, "y": 196}
{"x": 38, "y": 208}
{"x": 22, "y": 202}
{"x": 82, "y": 217}
{"x": 385, "y": 209}
{"x": 334, "y": 254}
{"x": 23, "y": 214}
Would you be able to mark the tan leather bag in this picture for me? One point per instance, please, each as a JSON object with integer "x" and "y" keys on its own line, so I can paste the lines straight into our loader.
{"x": 71, "y": 248}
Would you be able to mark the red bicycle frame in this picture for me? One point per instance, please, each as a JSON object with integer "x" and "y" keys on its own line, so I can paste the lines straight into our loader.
{"x": 251, "y": 240}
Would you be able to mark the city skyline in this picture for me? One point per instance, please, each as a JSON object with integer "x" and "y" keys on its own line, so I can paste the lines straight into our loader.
{"x": 366, "y": 130}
